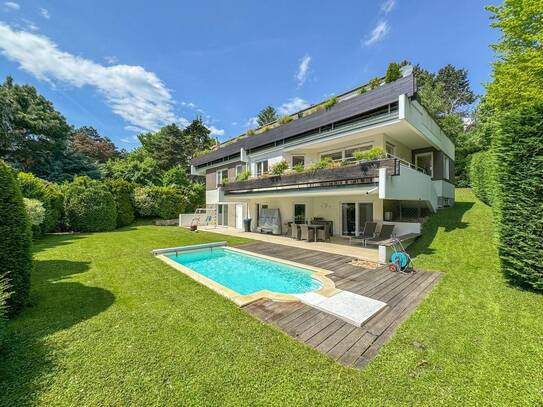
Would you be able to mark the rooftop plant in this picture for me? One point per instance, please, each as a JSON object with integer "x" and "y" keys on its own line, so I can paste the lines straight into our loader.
{"x": 393, "y": 72}
{"x": 374, "y": 83}
{"x": 330, "y": 102}
{"x": 279, "y": 168}
{"x": 285, "y": 119}
{"x": 244, "y": 175}
{"x": 250, "y": 132}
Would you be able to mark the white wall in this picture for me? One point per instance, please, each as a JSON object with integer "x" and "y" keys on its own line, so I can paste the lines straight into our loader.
{"x": 444, "y": 188}
{"x": 410, "y": 185}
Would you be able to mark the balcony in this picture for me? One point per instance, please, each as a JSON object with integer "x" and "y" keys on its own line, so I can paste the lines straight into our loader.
{"x": 366, "y": 172}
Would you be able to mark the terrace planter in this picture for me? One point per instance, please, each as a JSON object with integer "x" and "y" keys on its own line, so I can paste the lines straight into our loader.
{"x": 362, "y": 172}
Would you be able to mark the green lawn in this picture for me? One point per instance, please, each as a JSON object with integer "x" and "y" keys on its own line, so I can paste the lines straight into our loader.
{"x": 111, "y": 325}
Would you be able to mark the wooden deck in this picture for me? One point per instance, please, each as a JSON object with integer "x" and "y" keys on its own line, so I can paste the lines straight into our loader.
{"x": 347, "y": 344}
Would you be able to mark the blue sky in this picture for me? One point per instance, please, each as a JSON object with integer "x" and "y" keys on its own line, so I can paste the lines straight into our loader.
{"x": 128, "y": 66}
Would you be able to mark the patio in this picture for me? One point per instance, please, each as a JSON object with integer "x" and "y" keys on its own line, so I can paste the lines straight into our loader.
{"x": 347, "y": 344}
{"x": 336, "y": 245}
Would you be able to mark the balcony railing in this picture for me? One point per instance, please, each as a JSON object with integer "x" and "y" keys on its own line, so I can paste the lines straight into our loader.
{"x": 365, "y": 172}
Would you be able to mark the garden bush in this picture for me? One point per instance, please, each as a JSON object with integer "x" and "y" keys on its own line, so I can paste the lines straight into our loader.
{"x": 123, "y": 192}
{"x": 279, "y": 168}
{"x": 89, "y": 209}
{"x": 162, "y": 202}
{"x": 518, "y": 148}
{"x": 15, "y": 240}
{"x": 4, "y": 295}
{"x": 481, "y": 174}
{"x": 50, "y": 196}
{"x": 35, "y": 212}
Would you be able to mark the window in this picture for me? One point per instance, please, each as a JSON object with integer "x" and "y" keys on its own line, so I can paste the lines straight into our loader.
{"x": 239, "y": 169}
{"x": 298, "y": 160}
{"x": 349, "y": 152}
{"x": 261, "y": 167}
{"x": 299, "y": 213}
{"x": 425, "y": 161}
{"x": 390, "y": 148}
{"x": 222, "y": 176}
{"x": 446, "y": 166}
{"x": 338, "y": 155}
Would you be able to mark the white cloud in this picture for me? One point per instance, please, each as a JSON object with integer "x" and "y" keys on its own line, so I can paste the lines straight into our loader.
{"x": 135, "y": 129}
{"x": 188, "y": 104}
{"x": 252, "y": 122}
{"x": 215, "y": 131}
{"x": 303, "y": 70}
{"x": 126, "y": 140}
{"x": 378, "y": 33}
{"x": 387, "y": 6}
{"x": 293, "y": 105}
{"x": 234, "y": 123}
{"x": 45, "y": 13}
{"x": 136, "y": 95}
{"x": 30, "y": 25}
{"x": 12, "y": 5}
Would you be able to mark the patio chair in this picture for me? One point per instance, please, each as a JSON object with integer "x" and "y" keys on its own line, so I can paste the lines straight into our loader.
{"x": 307, "y": 234}
{"x": 295, "y": 232}
{"x": 324, "y": 233}
{"x": 367, "y": 233}
{"x": 384, "y": 235}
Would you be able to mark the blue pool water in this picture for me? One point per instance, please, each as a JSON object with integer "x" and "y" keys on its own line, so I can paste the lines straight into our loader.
{"x": 247, "y": 274}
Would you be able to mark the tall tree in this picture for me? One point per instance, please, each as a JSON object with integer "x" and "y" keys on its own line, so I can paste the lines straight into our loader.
{"x": 457, "y": 93}
{"x": 33, "y": 133}
{"x": 172, "y": 146}
{"x": 266, "y": 116}
{"x": 87, "y": 141}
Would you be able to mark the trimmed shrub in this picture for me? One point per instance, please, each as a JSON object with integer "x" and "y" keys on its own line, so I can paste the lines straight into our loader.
{"x": 4, "y": 295}
{"x": 518, "y": 149}
{"x": 481, "y": 173}
{"x": 195, "y": 196}
{"x": 90, "y": 209}
{"x": 35, "y": 212}
{"x": 162, "y": 202}
{"x": 51, "y": 197}
{"x": 123, "y": 192}
{"x": 15, "y": 240}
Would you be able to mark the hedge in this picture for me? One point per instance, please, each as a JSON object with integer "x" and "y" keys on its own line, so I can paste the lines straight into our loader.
{"x": 4, "y": 295}
{"x": 15, "y": 240}
{"x": 162, "y": 202}
{"x": 49, "y": 194}
{"x": 90, "y": 209}
{"x": 122, "y": 192}
{"x": 518, "y": 147}
{"x": 482, "y": 176}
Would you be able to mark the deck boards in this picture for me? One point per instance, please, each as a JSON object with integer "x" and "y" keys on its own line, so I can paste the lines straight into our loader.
{"x": 345, "y": 343}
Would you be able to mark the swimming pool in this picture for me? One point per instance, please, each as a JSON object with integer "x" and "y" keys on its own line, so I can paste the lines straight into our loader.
{"x": 246, "y": 274}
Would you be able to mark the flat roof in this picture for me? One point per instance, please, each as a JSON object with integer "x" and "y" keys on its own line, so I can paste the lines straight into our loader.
{"x": 356, "y": 105}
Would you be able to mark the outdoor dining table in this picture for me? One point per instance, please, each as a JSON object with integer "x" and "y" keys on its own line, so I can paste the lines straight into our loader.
{"x": 315, "y": 227}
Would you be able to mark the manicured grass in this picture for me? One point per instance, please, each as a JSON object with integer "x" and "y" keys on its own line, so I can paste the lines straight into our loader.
{"x": 111, "y": 325}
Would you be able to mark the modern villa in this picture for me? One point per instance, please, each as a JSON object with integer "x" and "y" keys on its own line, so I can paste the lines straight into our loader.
{"x": 412, "y": 177}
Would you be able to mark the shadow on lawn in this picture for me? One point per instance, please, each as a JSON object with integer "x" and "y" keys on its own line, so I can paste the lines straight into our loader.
{"x": 448, "y": 218}
{"x": 27, "y": 360}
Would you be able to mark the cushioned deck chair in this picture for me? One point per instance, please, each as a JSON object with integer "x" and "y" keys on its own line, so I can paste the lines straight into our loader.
{"x": 367, "y": 233}
{"x": 384, "y": 235}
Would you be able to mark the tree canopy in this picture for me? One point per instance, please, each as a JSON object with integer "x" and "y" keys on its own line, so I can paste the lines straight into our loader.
{"x": 266, "y": 116}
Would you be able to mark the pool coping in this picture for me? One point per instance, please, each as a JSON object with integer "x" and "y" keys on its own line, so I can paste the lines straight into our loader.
{"x": 328, "y": 288}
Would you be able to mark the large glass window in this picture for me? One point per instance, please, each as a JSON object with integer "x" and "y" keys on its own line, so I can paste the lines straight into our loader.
{"x": 239, "y": 169}
{"x": 299, "y": 213}
{"x": 261, "y": 167}
{"x": 446, "y": 166}
{"x": 350, "y": 151}
{"x": 337, "y": 155}
{"x": 390, "y": 148}
{"x": 365, "y": 214}
{"x": 298, "y": 160}
{"x": 426, "y": 162}
{"x": 348, "y": 219}
{"x": 222, "y": 176}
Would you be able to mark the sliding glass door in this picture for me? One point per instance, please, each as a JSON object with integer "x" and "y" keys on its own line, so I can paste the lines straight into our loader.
{"x": 348, "y": 219}
{"x": 354, "y": 216}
